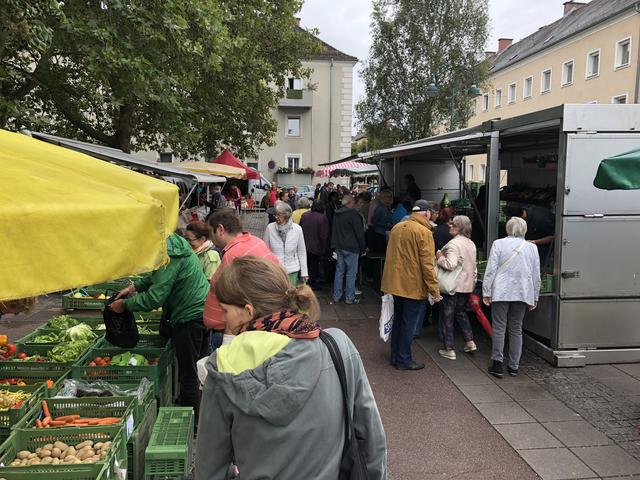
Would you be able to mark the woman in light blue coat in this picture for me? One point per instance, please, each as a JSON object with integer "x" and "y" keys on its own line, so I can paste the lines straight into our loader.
{"x": 511, "y": 285}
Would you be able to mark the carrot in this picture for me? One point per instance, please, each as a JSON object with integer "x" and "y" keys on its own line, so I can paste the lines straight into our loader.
{"x": 45, "y": 421}
{"x": 38, "y": 423}
{"x": 45, "y": 409}
{"x": 81, "y": 421}
{"x": 56, "y": 423}
{"x": 68, "y": 417}
{"x": 49, "y": 383}
{"x": 108, "y": 421}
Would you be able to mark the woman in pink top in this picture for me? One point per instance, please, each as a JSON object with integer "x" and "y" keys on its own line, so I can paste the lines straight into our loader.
{"x": 459, "y": 248}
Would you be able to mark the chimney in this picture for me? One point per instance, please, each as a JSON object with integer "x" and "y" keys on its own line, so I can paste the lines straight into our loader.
{"x": 489, "y": 55}
{"x": 503, "y": 43}
{"x": 571, "y": 6}
{"x": 298, "y": 19}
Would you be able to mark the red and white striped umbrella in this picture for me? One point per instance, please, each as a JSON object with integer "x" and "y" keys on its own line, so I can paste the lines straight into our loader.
{"x": 348, "y": 166}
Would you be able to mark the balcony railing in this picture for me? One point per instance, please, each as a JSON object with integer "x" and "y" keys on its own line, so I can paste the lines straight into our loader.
{"x": 297, "y": 99}
{"x": 294, "y": 94}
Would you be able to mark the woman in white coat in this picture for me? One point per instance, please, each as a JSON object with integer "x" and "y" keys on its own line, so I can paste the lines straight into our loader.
{"x": 511, "y": 285}
{"x": 286, "y": 241}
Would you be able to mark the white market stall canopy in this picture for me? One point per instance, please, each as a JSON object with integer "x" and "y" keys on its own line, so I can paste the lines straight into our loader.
{"x": 346, "y": 168}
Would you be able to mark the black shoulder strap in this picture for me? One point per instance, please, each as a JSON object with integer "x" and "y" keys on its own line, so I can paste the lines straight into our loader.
{"x": 334, "y": 351}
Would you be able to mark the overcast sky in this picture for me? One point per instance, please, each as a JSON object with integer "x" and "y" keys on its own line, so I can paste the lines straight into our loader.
{"x": 345, "y": 23}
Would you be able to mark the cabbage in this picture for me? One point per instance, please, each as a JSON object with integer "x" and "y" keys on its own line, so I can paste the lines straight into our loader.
{"x": 81, "y": 332}
{"x": 62, "y": 322}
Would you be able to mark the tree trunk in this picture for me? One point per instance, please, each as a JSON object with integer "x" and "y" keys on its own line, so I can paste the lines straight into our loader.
{"x": 124, "y": 130}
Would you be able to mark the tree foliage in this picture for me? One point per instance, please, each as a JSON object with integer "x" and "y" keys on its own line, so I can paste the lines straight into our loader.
{"x": 188, "y": 75}
{"x": 415, "y": 43}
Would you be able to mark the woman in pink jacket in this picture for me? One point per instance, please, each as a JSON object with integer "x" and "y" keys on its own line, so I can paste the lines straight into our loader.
{"x": 460, "y": 248}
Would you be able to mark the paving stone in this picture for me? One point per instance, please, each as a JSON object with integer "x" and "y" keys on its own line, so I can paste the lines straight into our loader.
{"x": 505, "y": 412}
{"x": 556, "y": 464}
{"x": 464, "y": 377}
{"x": 577, "y": 433}
{"x": 549, "y": 410}
{"x": 527, "y": 435}
{"x": 604, "y": 371}
{"x": 484, "y": 393}
{"x": 526, "y": 391}
{"x": 625, "y": 386}
{"x": 632, "y": 369}
{"x": 608, "y": 460}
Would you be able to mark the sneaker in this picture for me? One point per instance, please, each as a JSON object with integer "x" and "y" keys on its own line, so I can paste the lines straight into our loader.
{"x": 333, "y": 302}
{"x": 496, "y": 369}
{"x": 512, "y": 371}
{"x": 352, "y": 302}
{"x": 358, "y": 292}
{"x": 470, "y": 347}
{"x": 450, "y": 354}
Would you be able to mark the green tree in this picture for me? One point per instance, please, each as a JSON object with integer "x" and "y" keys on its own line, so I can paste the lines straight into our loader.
{"x": 415, "y": 43}
{"x": 190, "y": 75}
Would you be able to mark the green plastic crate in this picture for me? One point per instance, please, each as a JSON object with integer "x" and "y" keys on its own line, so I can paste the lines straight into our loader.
{"x": 125, "y": 374}
{"x": 12, "y": 417}
{"x": 99, "y": 407}
{"x": 165, "y": 397}
{"x": 85, "y": 303}
{"x": 16, "y": 367}
{"x": 31, "y": 439}
{"x": 168, "y": 455}
{"x": 138, "y": 442}
{"x": 547, "y": 283}
{"x": 96, "y": 471}
{"x": 35, "y": 377}
{"x": 27, "y": 342}
{"x": 146, "y": 341}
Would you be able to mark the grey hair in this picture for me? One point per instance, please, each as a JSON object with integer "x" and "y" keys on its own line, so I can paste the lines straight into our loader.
{"x": 282, "y": 208}
{"x": 463, "y": 224}
{"x": 304, "y": 202}
{"x": 346, "y": 199}
{"x": 516, "y": 227}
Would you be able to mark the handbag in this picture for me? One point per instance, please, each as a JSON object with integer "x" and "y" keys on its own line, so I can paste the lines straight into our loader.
{"x": 448, "y": 279}
{"x": 352, "y": 464}
{"x": 385, "y": 324}
{"x": 122, "y": 330}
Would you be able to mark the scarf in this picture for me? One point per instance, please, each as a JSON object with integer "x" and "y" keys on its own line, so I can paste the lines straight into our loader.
{"x": 284, "y": 229}
{"x": 285, "y": 322}
{"x": 204, "y": 247}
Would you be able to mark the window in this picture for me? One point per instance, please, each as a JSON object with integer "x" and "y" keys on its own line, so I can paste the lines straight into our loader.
{"x": 567, "y": 72}
{"x": 527, "y": 87}
{"x": 470, "y": 172}
{"x": 620, "y": 99}
{"x": 483, "y": 172}
{"x": 593, "y": 64}
{"x": 498, "y": 97}
{"x": 485, "y": 102}
{"x": 511, "y": 95}
{"x": 623, "y": 53}
{"x": 545, "y": 81}
{"x": 294, "y": 83}
{"x": 166, "y": 157}
{"x": 293, "y": 161}
{"x": 293, "y": 126}
{"x": 253, "y": 165}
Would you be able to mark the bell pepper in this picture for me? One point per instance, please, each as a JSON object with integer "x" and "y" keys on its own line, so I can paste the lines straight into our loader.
{"x": 3, "y": 340}
{"x": 11, "y": 349}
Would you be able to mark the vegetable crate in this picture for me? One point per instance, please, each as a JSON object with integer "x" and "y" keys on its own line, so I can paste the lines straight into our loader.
{"x": 146, "y": 341}
{"x": 547, "y": 283}
{"x": 31, "y": 439}
{"x": 125, "y": 374}
{"x": 138, "y": 442}
{"x": 27, "y": 342}
{"x": 88, "y": 407}
{"x": 140, "y": 405}
{"x": 97, "y": 323}
{"x": 84, "y": 303}
{"x": 94, "y": 471}
{"x": 18, "y": 367}
{"x": 37, "y": 377}
{"x": 168, "y": 455}
{"x": 11, "y": 417}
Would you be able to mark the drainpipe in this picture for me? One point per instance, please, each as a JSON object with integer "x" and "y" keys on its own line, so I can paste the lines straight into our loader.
{"x": 637, "y": 92}
{"x": 329, "y": 159}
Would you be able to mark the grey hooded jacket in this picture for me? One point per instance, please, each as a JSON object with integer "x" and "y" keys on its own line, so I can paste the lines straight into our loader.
{"x": 284, "y": 418}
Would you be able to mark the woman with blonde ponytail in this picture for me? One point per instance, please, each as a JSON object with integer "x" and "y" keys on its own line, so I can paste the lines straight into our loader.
{"x": 272, "y": 399}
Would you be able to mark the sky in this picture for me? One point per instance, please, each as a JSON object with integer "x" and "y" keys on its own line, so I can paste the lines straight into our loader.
{"x": 344, "y": 24}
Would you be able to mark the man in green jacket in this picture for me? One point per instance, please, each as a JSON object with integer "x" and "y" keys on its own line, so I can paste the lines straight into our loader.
{"x": 180, "y": 288}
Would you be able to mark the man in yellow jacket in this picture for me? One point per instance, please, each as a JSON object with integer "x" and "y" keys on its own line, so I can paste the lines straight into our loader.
{"x": 410, "y": 276}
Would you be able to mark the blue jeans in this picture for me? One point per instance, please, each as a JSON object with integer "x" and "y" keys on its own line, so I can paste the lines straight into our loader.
{"x": 407, "y": 313}
{"x": 347, "y": 264}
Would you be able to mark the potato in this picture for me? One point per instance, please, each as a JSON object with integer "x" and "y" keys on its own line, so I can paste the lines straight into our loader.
{"x": 55, "y": 461}
{"x": 35, "y": 461}
{"x": 32, "y": 456}
{"x": 62, "y": 446}
{"x": 85, "y": 453}
{"x": 47, "y": 460}
{"x": 68, "y": 452}
{"x": 87, "y": 460}
{"x": 69, "y": 458}
{"x": 23, "y": 454}
{"x": 48, "y": 446}
{"x": 23, "y": 462}
{"x": 98, "y": 445}
{"x": 103, "y": 455}
{"x": 45, "y": 453}
{"x": 15, "y": 463}
{"x": 87, "y": 443}
{"x": 38, "y": 450}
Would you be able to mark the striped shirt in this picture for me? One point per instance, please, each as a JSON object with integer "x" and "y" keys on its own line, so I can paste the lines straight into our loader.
{"x": 243, "y": 245}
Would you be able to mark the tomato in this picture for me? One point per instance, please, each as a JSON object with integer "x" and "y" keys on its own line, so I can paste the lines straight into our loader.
{"x": 97, "y": 359}
{"x": 92, "y": 364}
{"x": 107, "y": 359}
{"x": 22, "y": 355}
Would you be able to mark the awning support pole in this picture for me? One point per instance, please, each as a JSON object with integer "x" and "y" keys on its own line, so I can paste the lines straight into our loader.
{"x": 493, "y": 190}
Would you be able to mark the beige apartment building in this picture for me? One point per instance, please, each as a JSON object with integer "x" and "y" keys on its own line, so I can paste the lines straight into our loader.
{"x": 314, "y": 117}
{"x": 590, "y": 55}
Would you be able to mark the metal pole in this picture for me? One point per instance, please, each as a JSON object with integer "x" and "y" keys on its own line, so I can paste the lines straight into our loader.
{"x": 493, "y": 190}
{"x": 453, "y": 108}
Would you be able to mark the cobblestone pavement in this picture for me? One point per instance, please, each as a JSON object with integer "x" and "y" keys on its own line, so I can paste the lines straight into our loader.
{"x": 255, "y": 223}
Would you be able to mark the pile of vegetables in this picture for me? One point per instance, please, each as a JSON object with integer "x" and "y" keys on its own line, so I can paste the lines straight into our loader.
{"x": 62, "y": 322}
{"x": 79, "y": 331}
{"x": 70, "y": 420}
{"x": 61, "y": 453}
{"x": 12, "y": 399}
{"x": 13, "y": 381}
{"x": 46, "y": 338}
{"x": 68, "y": 352}
{"x": 102, "y": 296}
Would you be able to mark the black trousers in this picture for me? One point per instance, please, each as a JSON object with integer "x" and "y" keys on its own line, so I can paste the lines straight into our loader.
{"x": 191, "y": 341}
{"x": 313, "y": 264}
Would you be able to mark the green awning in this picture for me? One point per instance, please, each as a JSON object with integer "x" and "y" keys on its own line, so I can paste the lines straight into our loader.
{"x": 620, "y": 172}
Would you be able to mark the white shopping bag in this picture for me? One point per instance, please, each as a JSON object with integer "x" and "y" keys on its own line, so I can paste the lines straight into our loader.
{"x": 386, "y": 317}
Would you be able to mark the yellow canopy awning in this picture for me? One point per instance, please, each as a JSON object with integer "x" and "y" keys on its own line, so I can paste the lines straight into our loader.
{"x": 69, "y": 220}
{"x": 213, "y": 169}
